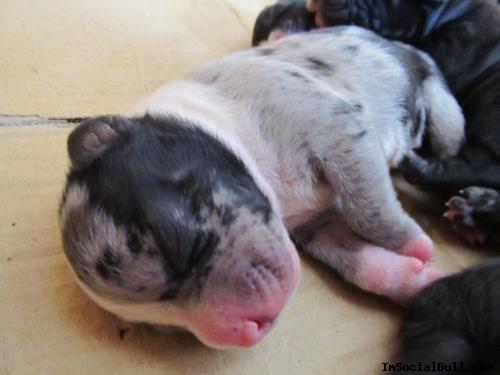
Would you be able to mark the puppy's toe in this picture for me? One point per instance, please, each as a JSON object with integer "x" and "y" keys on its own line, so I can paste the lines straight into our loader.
{"x": 459, "y": 212}
{"x": 479, "y": 197}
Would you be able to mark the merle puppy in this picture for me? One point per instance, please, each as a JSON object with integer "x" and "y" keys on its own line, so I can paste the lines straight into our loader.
{"x": 463, "y": 36}
{"x": 178, "y": 214}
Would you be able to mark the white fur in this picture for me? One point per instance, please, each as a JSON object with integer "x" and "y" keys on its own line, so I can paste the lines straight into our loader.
{"x": 446, "y": 119}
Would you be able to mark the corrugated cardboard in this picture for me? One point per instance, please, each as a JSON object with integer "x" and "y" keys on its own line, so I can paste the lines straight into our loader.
{"x": 77, "y": 58}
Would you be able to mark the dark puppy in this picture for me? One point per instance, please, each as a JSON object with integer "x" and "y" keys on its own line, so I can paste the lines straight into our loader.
{"x": 463, "y": 36}
{"x": 286, "y": 17}
{"x": 455, "y": 322}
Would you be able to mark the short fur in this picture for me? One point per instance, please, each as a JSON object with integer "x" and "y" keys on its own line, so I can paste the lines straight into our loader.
{"x": 456, "y": 320}
{"x": 177, "y": 213}
{"x": 463, "y": 36}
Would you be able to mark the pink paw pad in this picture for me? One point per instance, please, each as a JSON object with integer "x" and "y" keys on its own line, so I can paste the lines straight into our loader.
{"x": 420, "y": 247}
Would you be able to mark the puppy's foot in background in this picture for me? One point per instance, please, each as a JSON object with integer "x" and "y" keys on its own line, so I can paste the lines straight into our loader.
{"x": 474, "y": 213}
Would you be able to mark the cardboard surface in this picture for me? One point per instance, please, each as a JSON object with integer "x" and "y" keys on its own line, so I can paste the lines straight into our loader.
{"x": 75, "y": 58}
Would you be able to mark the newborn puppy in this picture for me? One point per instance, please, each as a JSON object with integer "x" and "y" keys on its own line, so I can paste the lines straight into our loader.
{"x": 178, "y": 214}
{"x": 456, "y": 320}
{"x": 463, "y": 36}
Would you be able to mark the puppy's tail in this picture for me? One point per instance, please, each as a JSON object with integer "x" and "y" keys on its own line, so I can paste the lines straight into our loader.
{"x": 446, "y": 120}
{"x": 453, "y": 326}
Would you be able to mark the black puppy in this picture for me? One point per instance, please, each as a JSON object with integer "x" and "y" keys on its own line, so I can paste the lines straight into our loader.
{"x": 463, "y": 36}
{"x": 286, "y": 17}
{"x": 454, "y": 325}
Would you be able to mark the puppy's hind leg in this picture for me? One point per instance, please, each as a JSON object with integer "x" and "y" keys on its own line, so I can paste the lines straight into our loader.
{"x": 356, "y": 167}
{"x": 370, "y": 267}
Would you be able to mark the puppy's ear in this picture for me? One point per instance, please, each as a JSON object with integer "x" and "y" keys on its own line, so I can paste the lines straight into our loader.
{"x": 93, "y": 137}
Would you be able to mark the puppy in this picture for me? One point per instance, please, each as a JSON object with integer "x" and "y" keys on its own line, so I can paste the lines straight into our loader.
{"x": 455, "y": 323}
{"x": 463, "y": 36}
{"x": 286, "y": 17}
{"x": 178, "y": 213}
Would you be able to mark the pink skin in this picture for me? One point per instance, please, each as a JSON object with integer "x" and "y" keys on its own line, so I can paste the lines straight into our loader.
{"x": 235, "y": 326}
{"x": 473, "y": 236}
{"x": 396, "y": 276}
{"x": 373, "y": 268}
{"x": 276, "y": 35}
{"x": 220, "y": 323}
{"x": 421, "y": 247}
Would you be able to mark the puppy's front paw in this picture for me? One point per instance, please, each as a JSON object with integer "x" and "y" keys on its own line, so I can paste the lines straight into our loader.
{"x": 472, "y": 211}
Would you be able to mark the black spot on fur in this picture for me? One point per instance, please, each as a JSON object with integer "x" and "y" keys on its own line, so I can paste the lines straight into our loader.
{"x": 319, "y": 65}
{"x": 134, "y": 241}
{"x": 358, "y": 136}
{"x": 108, "y": 265}
{"x": 266, "y": 51}
{"x": 214, "y": 78}
{"x": 351, "y": 49}
{"x": 345, "y": 108}
{"x": 203, "y": 248}
{"x": 227, "y": 215}
{"x": 358, "y": 107}
{"x": 298, "y": 75}
{"x": 265, "y": 211}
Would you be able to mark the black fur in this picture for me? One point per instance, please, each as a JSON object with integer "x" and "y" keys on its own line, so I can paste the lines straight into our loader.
{"x": 463, "y": 36}
{"x": 108, "y": 266}
{"x": 288, "y": 16}
{"x": 319, "y": 65}
{"x": 456, "y": 319}
{"x": 157, "y": 167}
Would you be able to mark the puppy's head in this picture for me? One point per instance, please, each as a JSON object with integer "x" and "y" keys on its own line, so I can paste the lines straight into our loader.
{"x": 285, "y": 17}
{"x": 162, "y": 223}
